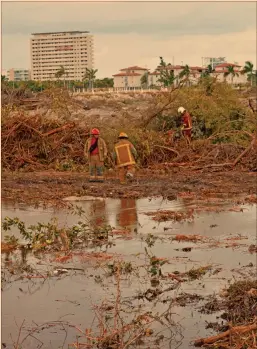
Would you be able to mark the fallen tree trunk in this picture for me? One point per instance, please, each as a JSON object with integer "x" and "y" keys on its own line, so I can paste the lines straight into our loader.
{"x": 233, "y": 331}
{"x": 253, "y": 142}
{"x": 64, "y": 127}
{"x": 167, "y": 148}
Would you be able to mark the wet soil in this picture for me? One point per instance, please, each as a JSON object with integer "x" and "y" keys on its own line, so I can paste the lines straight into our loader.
{"x": 51, "y": 187}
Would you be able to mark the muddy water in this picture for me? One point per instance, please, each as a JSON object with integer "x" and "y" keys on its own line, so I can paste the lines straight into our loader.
{"x": 69, "y": 297}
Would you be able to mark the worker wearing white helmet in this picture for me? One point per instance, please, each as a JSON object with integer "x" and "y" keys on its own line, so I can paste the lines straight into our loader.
{"x": 181, "y": 110}
{"x": 186, "y": 124}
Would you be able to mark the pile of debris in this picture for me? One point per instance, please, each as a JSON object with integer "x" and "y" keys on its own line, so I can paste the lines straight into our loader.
{"x": 239, "y": 302}
{"x": 37, "y": 143}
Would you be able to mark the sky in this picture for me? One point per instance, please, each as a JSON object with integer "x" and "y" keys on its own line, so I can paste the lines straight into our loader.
{"x": 136, "y": 33}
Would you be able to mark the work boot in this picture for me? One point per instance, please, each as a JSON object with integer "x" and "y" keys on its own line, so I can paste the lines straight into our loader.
{"x": 99, "y": 179}
{"x": 92, "y": 176}
{"x": 129, "y": 175}
{"x": 99, "y": 174}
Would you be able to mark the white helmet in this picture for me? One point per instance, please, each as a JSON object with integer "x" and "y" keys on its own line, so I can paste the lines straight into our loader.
{"x": 181, "y": 110}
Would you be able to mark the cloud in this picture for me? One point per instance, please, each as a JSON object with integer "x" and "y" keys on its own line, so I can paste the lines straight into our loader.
{"x": 117, "y": 51}
{"x": 136, "y": 33}
{"x": 143, "y": 18}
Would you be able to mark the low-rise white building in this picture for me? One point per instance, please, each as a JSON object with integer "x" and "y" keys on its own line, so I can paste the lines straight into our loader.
{"x": 18, "y": 74}
{"x": 129, "y": 78}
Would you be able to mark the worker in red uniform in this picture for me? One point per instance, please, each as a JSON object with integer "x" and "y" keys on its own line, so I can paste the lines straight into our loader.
{"x": 186, "y": 124}
{"x": 96, "y": 152}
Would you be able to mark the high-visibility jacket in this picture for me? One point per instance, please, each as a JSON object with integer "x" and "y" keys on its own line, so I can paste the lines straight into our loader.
{"x": 186, "y": 121}
{"x": 102, "y": 148}
{"x": 125, "y": 153}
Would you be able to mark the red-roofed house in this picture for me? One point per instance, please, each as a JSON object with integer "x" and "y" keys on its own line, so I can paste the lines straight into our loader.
{"x": 220, "y": 69}
{"x": 134, "y": 68}
{"x": 129, "y": 77}
{"x": 224, "y": 66}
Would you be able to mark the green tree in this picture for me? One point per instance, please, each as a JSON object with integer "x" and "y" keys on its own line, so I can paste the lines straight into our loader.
{"x": 230, "y": 72}
{"x": 61, "y": 73}
{"x": 248, "y": 69}
{"x": 167, "y": 77}
{"x": 90, "y": 76}
{"x": 144, "y": 80}
{"x": 185, "y": 73}
{"x": 207, "y": 71}
{"x": 104, "y": 83}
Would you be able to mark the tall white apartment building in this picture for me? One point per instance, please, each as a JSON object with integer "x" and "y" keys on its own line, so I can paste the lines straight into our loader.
{"x": 74, "y": 50}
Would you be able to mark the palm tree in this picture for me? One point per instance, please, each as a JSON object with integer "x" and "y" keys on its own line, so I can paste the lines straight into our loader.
{"x": 61, "y": 72}
{"x": 185, "y": 73}
{"x": 167, "y": 77}
{"x": 207, "y": 71}
{"x": 144, "y": 80}
{"x": 231, "y": 72}
{"x": 248, "y": 69}
{"x": 3, "y": 78}
{"x": 90, "y": 76}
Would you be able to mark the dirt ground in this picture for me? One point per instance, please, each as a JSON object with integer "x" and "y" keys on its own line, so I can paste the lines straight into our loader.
{"x": 52, "y": 187}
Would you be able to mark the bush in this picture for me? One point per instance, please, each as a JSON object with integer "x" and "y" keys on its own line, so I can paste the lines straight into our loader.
{"x": 215, "y": 108}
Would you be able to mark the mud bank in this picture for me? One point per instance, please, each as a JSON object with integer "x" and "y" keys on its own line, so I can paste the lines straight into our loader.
{"x": 52, "y": 187}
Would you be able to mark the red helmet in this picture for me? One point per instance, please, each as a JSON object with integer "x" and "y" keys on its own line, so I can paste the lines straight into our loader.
{"x": 95, "y": 131}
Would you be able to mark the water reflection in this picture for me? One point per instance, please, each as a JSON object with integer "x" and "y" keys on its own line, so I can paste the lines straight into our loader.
{"x": 127, "y": 215}
{"x": 98, "y": 213}
{"x": 130, "y": 213}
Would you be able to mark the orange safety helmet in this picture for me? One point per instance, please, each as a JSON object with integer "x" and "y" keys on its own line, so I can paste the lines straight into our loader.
{"x": 123, "y": 135}
{"x": 95, "y": 131}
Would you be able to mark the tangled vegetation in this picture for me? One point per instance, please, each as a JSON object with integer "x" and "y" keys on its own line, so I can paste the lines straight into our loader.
{"x": 239, "y": 305}
{"x": 223, "y": 128}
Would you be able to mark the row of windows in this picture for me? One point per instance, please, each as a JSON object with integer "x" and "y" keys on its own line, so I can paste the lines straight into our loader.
{"x": 82, "y": 66}
{"x": 58, "y": 57}
{"x": 77, "y": 50}
{"x": 58, "y": 54}
{"x": 68, "y": 39}
{"x": 54, "y": 44}
{"x": 49, "y": 67}
{"x": 59, "y": 38}
{"x": 36, "y": 46}
{"x": 49, "y": 60}
{"x": 48, "y": 76}
{"x": 57, "y": 67}
{"x": 45, "y": 42}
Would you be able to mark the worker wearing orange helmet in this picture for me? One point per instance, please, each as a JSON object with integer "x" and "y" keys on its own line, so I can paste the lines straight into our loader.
{"x": 186, "y": 124}
{"x": 96, "y": 151}
{"x": 125, "y": 156}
